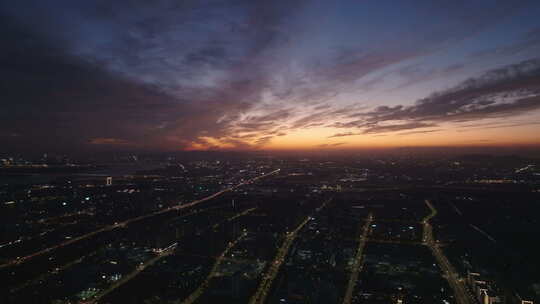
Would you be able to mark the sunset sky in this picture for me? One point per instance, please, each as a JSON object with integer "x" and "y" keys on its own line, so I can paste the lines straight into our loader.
{"x": 243, "y": 75}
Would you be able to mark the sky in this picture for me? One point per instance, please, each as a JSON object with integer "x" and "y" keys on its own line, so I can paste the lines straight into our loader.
{"x": 166, "y": 75}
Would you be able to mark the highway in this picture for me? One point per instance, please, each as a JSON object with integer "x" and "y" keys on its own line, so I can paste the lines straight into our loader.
{"x": 215, "y": 226}
{"x": 132, "y": 220}
{"x": 49, "y": 273}
{"x": 130, "y": 276}
{"x": 358, "y": 261}
{"x": 47, "y": 231}
{"x": 78, "y": 260}
{"x": 162, "y": 254}
{"x": 200, "y": 290}
{"x": 460, "y": 292}
{"x": 482, "y": 232}
{"x": 268, "y": 278}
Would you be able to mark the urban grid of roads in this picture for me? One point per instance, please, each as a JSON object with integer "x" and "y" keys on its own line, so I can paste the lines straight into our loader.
{"x": 462, "y": 294}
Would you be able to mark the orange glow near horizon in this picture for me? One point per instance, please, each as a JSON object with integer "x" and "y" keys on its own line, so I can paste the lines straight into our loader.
{"x": 320, "y": 138}
{"x": 517, "y": 131}
{"x": 313, "y": 140}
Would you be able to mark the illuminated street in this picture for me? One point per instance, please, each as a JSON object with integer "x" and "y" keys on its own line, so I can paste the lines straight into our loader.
{"x": 268, "y": 278}
{"x": 358, "y": 261}
{"x": 450, "y": 274}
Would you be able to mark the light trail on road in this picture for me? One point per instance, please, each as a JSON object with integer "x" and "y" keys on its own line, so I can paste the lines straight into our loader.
{"x": 462, "y": 296}
{"x": 130, "y": 276}
{"x": 132, "y": 220}
{"x": 358, "y": 260}
{"x": 51, "y": 272}
{"x": 482, "y": 232}
{"x": 76, "y": 261}
{"x": 152, "y": 261}
{"x": 266, "y": 282}
{"x": 200, "y": 290}
{"x": 234, "y": 217}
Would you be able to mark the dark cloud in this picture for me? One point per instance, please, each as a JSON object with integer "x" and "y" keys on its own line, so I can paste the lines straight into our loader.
{"x": 397, "y": 127}
{"x": 255, "y": 126}
{"x": 138, "y": 74}
{"x": 331, "y": 145}
{"x": 59, "y": 102}
{"x": 273, "y": 116}
{"x": 344, "y": 134}
{"x": 420, "y": 132}
{"x": 319, "y": 118}
{"x": 263, "y": 140}
{"x": 322, "y": 107}
{"x": 503, "y": 92}
{"x": 310, "y": 120}
{"x": 498, "y": 125}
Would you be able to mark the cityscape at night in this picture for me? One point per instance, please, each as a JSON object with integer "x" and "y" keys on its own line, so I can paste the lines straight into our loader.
{"x": 287, "y": 152}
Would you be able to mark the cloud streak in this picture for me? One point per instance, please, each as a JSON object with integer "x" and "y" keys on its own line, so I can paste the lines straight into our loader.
{"x": 503, "y": 92}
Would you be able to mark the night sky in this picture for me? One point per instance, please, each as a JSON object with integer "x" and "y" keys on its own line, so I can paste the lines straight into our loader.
{"x": 188, "y": 75}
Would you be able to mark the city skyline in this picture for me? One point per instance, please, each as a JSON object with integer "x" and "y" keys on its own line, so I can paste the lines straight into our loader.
{"x": 273, "y": 75}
